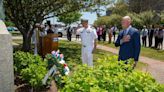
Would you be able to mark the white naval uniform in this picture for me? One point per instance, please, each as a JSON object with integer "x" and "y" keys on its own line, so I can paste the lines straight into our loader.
{"x": 88, "y": 36}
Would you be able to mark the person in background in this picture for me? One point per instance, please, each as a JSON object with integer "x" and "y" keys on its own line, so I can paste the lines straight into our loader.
{"x": 114, "y": 29}
{"x": 156, "y": 37}
{"x": 144, "y": 34}
{"x": 160, "y": 38}
{"x": 99, "y": 32}
{"x": 43, "y": 31}
{"x": 151, "y": 34}
{"x": 49, "y": 28}
{"x": 110, "y": 34}
{"x": 77, "y": 33}
{"x": 129, "y": 42}
{"x": 104, "y": 33}
{"x": 69, "y": 33}
{"x": 88, "y": 38}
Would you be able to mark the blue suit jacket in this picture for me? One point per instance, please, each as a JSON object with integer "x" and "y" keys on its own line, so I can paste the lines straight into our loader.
{"x": 129, "y": 49}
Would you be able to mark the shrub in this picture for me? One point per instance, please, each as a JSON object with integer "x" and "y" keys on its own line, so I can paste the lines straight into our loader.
{"x": 30, "y": 68}
{"x": 136, "y": 20}
{"x": 113, "y": 19}
{"x": 22, "y": 60}
{"x": 148, "y": 17}
{"x": 34, "y": 74}
{"x": 110, "y": 76}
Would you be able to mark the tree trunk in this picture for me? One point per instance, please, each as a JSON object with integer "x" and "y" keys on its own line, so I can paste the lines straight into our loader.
{"x": 26, "y": 43}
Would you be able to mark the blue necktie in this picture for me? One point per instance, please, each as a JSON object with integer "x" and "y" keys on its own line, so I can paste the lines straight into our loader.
{"x": 124, "y": 32}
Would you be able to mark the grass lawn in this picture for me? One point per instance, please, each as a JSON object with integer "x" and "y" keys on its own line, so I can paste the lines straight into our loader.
{"x": 18, "y": 41}
{"x": 15, "y": 33}
{"x": 148, "y": 52}
{"x": 72, "y": 53}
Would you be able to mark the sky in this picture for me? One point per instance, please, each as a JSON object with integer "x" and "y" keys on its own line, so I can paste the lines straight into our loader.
{"x": 85, "y": 15}
{"x": 90, "y": 16}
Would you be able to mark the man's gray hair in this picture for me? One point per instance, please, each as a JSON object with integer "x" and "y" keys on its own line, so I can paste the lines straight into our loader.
{"x": 127, "y": 18}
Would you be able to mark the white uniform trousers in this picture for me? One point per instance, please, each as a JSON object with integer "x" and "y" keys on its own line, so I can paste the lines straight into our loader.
{"x": 87, "y": 56}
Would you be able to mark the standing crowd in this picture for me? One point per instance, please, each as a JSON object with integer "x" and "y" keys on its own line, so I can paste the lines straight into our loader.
{"x": 150, "y": 36}
{"x": 153, "y": 32}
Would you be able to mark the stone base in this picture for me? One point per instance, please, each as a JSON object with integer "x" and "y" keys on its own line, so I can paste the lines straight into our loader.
{"x": 6, "y": 60}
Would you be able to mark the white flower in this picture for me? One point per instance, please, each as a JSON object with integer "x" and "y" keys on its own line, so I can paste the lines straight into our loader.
{"x": 66, "y": 69}
{"x": 62, "y": 62}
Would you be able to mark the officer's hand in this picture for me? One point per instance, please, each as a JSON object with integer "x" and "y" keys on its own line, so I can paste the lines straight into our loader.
{"x": 126, "y": 38}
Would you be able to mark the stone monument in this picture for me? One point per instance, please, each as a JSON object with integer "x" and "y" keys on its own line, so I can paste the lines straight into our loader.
{"x": 6, "y": 60}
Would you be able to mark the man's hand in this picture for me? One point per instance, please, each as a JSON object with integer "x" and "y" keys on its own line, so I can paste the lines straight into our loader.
{"x": 95, "y": 45}
{"x": 126, "y": 38}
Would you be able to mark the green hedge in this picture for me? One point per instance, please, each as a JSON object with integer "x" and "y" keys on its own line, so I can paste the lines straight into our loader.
{"x": 30, "y": 68}
{"x": 109, "y": 76}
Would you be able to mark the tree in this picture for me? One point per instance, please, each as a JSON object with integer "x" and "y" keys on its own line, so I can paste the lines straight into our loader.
{"x": 114, "y": 19}
{"x": 101, "y": 21}
{"x": 139, "y": 6}
{"x": 26, "y": 13}
{"x": 97, "y": 5}
{"x": 136, "y": 20}
{"x": 162, "y": 17}
{"x": 120, "y": 8}
{"x": 148, "y": 18}
{"x": 70, "y": 17}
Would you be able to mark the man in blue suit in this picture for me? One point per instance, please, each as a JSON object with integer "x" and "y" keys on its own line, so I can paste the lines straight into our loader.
{"x": 129, "y": 42}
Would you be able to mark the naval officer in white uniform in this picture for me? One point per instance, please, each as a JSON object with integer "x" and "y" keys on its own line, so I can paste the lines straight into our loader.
{"x": 88, "y": 38}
